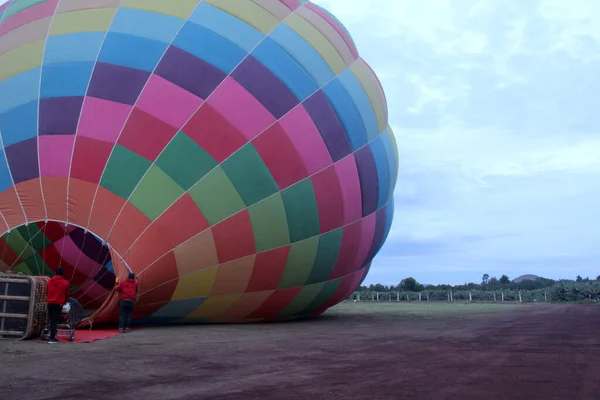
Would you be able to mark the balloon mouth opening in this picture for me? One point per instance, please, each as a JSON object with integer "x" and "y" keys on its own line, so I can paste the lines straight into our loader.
{"x": 89, "y": 263}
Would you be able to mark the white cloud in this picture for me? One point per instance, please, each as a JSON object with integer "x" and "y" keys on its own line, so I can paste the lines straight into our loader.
{"x": 494, "y": 107}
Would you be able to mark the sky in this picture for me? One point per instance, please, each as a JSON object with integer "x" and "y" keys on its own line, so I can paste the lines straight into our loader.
{"x": 495, "y": 108}
{"x": 492, "y": 103}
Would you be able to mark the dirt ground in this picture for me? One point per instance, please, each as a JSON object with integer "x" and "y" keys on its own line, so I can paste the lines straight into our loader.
{"x": 356, "y": 351}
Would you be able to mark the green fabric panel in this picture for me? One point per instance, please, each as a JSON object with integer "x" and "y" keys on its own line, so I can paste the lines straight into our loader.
{"x": 19, "y": 245}
{"x": 302, "y": 300}
{"x": 324, "y": 295}
{"x": 250, "y": 175}
{"x": 269, "y": 224}
{"x": 36, "y": 237}
{"x": 299, "y": 263}
{"x": 184, "y": 161}
{"x": 301, "y": 210}
{"x": 327, "y": 254}
{"x": 216, "y": 197}
{"x": 155, "y": 193}
{"x": 23, "y": 268}
{"x": 20, "y": 5}
{"x": 123, "y": 171}
{"x": 36, "y": 263}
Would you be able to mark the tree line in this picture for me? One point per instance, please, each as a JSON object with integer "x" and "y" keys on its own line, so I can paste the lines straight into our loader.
{"x": 491, "y": 289}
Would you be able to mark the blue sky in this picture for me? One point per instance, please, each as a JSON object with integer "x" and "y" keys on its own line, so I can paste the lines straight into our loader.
{"x": 494, "y": 104}
{"x": 495, "y": 109}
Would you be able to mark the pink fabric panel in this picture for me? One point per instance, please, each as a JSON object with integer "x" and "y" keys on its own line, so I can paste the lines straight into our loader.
{"x": 350, "y": 184}
{"x": 34, "y": 13}
{"x": 70, "y": 253}
{"x": 367, "y": 234}
{"x": 307, "y": 140}
{"x": 55, "y": 155}
{"x": 92, "y": 290}
{"x": 168, "y": 102}
{"x": 102, "y": 119}
{"x": 241, "y": 109}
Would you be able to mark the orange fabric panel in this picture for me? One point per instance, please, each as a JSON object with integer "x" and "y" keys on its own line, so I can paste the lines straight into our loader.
{"x": 105, "y": 211}
{"x": 129, "y": 226}
{"x": 158, "y": 283}
{"x": 55, "y": 196}
{"x": 196, "y": 254}
{"x": 81, "y": 195}
{"x": 246, "y": 305}
{"x": 234, "y": 276}
{"x": 10, "y": 207}
{"x": 30, "y": 193}
{"x": 150, "y": 247}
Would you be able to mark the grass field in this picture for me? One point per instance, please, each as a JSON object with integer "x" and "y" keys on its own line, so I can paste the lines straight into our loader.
{"x": 419, "y": 309}
{"x": 355, "y": 351}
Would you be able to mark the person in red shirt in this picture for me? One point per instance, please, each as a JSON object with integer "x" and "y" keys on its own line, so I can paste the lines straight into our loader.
{"x": 58, "y": 291}
{"x": 128, "y": 291}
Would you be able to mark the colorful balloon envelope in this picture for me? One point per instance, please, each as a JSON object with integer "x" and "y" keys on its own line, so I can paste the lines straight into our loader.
{"x": 234, "y": 154}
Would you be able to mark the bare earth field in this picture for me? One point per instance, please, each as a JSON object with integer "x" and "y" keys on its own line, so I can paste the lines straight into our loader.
{"x": 356, "y": 351}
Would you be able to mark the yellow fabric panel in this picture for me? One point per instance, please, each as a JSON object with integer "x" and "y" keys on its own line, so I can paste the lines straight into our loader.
{"x": 234, "y": 276}
{"x": 214, "y": 306}
{"x": 274, "y": 8}
{"x": 329, "y": 32}
{"x": 97, "y": 20}
{"x": 72, "y": 5}
{"x": 21, "y": 59}
{"x": 362, "y": 73}
{"x": 196, "y": 254}
{"x": 249, "y": 12}
{"x": 176, "y": 8}
{"x": 31, "y": 32}
{"x": 318, "y": 41}
{"x": 196, "y": 285}
{"x": 245, "y": 305}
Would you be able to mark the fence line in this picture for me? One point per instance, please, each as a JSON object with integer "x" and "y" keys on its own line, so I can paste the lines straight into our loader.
{"x": 452, "y": 296}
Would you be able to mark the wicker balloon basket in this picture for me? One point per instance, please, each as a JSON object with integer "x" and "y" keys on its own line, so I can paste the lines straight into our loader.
{"x": 23, "y": 311}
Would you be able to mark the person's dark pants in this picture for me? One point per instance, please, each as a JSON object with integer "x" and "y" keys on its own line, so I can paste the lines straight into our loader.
{"x": 126, "y": 311}
{"x": 54, "y": 311}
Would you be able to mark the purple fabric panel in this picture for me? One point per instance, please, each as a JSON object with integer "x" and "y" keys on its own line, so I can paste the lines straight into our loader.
{"x": 189, "y": 72}
{"x": 117, "y": 83}
{"x": 23, "y": 160}
{"x": 60, "y": 115}
{"x": 326, "y": 120}
{"x": 90, "y": 246}
{"x": 265, "y": 86}
{"x": 379, "y": 233}
{"x": 369, "y": 185}
{"x": 105, "y": 278}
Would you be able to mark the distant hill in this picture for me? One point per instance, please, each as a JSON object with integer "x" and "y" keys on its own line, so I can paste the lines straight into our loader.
{"x": 527, "y": 277}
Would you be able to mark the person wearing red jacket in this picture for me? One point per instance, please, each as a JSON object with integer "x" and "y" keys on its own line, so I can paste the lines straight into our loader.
{"x": 128, "y": 291}
{"x": 58, "y": 290}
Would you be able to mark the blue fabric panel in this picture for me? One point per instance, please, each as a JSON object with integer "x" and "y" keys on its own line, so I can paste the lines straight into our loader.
{"x": 73, "y": 47}
{"x": 226, "y": 25}
{"x": 391, "y": 158}
{"x": 179, "y": 308}
{"x": 303, "y": 53}
{"x": 5, "y": 177}
{"x": 383, "y": 171}
{"x": 21, "y": 89}
{"x": 360, "y": 98}
{"x": 131, "y": 51}
{"x": 109, "y": 266}
{"x": 285, "y": 68}
{"x": 68, "y": 79}
{"x": 146, "y": 24}
{"x": 347, "y": 112}
{"x": 210, "y": 47}
{"x": 19, "y": 123}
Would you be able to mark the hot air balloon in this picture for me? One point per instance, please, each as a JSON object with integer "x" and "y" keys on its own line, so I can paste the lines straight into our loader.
{"x": 234, "y": 154}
